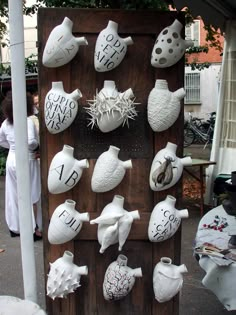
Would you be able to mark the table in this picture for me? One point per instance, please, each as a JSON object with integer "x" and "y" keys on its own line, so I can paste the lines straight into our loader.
{"x": 201, "y": 164}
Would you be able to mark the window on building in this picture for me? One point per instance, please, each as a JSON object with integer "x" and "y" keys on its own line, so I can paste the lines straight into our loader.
{"x": 192, "y": 88}
{"x": 192, "y": 31}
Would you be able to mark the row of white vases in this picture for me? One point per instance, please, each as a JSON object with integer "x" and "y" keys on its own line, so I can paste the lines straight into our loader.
{"x": 110, "y": 48}
{"x": 65, "y": 171}
{"x": 111, "y": 109}
{"x": 64, "y": 278}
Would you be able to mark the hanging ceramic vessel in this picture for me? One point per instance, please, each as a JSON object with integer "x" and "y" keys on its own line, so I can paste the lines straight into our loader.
{"x": 119, "y": 279}
{"x": 169, "y": 47}
{"x": 114, "y": 223}
{"x": 66, "y": 222}
{"x": 110, "y": 48}
{"x": 167, "y": 168}
{"x": 61, "y": 46}
{"x": 163, "y": 106}
{"x": 60, "y": 108}
{"x": 165, "y": 220}
{"x": 65, "y": 171}
{"x": 64, "y": 276}
{"x": 109, "y": 170}
{"x": 110, "y": 109}
{"x": 167, "y": 279}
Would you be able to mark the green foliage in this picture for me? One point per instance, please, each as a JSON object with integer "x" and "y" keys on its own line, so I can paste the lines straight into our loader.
{"x": 3, "y": 158}
{"x": 31, "y": 66}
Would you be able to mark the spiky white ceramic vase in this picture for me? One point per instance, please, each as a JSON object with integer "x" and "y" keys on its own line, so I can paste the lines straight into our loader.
{"x": 61, "y": 46}
{"x": 165, "y": 220}
{"x": 167, "y": 168}
{"x": 65, "y": 171}
{"x": 169, "y": 47}
{"x": 60, "y": 108}
{"x": 64, "y": 276}
{"x": 109, "y": 170}
{"x": 110, "y": 109}
{"x": 119, "y": 279}
{"x": 167, "y": 279}
{"x": 110, "y": 48}
{"x": 163, "y": 106}
{"x": 66, "y": 222}
{"x": 114, "y": 223}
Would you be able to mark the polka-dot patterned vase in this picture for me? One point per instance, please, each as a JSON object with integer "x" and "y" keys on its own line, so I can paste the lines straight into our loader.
{"x": 169, "y": 47}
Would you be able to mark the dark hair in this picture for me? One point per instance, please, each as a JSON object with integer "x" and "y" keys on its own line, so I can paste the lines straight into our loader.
{"x": 8, "y": 108}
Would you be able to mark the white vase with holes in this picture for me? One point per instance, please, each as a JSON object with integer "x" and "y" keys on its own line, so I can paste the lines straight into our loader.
{"x": 110, "y": 48}
{"x": 61, "y": 46}
{"x": 65, "y": 171}
{"x": 163, "y": 106}
{"x": 119, "y": 279}
{"x": 60, "y": 108}
{"x": 169, "y": 47}
{"x": 167, "y": 279}
{"x": 165, "y": 220}
{"x": 167, "y": 168}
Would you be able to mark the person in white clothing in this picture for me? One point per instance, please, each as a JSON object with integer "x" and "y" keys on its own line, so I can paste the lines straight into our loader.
{"x": 7, "y": 140}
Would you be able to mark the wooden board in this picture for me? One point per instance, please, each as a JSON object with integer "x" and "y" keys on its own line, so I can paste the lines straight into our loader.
{"x": 137, "y": 142}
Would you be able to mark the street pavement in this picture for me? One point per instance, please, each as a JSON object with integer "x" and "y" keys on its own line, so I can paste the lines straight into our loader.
{"x": 194, "y": 298}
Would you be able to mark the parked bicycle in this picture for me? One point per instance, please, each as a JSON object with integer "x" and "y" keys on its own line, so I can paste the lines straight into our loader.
{"x": 196, "y": 130}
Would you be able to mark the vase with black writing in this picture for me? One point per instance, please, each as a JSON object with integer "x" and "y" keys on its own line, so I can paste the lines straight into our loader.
{"x": 61, "y": 46}
{"x": 109, "y": 170}
{"x": 163, "y": 106}
{"x": 169, "y": 47}
{"x": 66, "y": 222}
{"x": 119, "y": 279}
{"x": 64, "y": 276}
{"x": 167, "y": 168}
{"x": 65, "y": 171}
{"x": 167, "y": 279}
{"x": 110, "y": 48}
{"x": 60, "y": 108}
{"x": 165, "y": 220}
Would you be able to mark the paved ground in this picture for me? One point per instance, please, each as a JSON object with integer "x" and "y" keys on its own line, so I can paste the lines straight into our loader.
{"x": 194, "y": 298}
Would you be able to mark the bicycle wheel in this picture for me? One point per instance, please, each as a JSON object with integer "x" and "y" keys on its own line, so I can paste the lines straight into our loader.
{"x": 189, "y": 137}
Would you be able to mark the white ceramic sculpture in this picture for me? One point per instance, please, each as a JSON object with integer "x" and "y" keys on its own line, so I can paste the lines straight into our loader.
{"x": 66, "y": 222}
{"x": 61, "y": 46}
{"x": 110, "y": 48}
{"x": 165, "y": 220}
{"x": 119, "y": 279}
{"x": 114, "y": 223}
{"x": 169, "y": 47}
{"x": 65, "y": 171}
{"x": 167, "y": 279}
{"x": 167, "y": 168}
{"x": 109, "y": 170}
{"x": 60, "y": 108}
{"x": 163, "y": 106}
{"x": 64, "y": 276}
{"x": 11, "y": 305}
{"x": 110, "y": 109}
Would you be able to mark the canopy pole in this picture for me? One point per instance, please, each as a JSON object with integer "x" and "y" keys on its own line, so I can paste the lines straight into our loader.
{"x": 21, "y": 142}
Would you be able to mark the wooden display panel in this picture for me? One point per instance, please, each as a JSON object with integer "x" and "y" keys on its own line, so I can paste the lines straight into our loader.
{"x": 137, "y": 142}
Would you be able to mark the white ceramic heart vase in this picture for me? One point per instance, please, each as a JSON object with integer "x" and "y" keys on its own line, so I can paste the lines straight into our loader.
{"x": 169, "y": 47}
{"x": 114, "y": 223}
{"x": 60, "y": 108}
{"x": 109, "y": 170}
{"x": 61, "y": 46}
{"x": 167, "y": 279}
{"x": 65, "y": 171}
{"x": 165, "y": 220}
{"x": 167, "y": 168}
{"x": 64, "y": 276}
{"x": 119, "y": 279}
{"x": 163, "y": 106}
{"x": 66, "y": 222}
{"x": 110, "y": 48}
{"x": 110, "y": 109}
